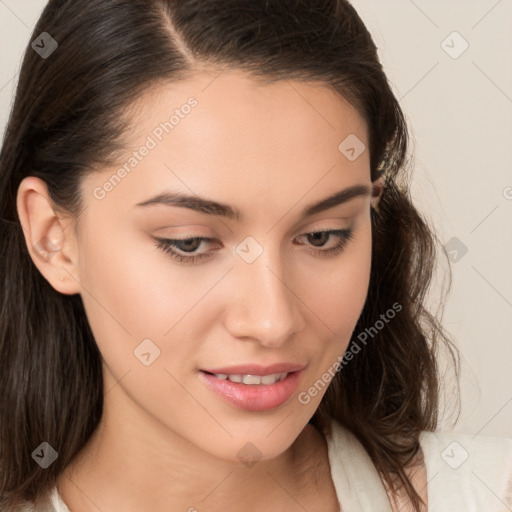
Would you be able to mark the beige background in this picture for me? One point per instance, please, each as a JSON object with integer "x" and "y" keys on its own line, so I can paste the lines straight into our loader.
{"x": 460, "y": 116}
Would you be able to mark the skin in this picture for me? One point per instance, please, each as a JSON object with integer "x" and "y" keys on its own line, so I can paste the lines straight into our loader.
{"x": 166, "y": 441}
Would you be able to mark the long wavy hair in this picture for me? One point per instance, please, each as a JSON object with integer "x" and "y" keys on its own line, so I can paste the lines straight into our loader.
{"x": 68, "y": 118}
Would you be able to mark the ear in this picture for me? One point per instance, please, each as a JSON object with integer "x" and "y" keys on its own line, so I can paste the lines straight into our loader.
{"x": 377, "y": 189}
{"x": 50, "y": 240}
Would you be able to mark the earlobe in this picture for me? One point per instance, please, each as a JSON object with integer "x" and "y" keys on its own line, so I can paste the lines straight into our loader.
{"x": 377, "y": 189}
{"x": 48, "y": 237}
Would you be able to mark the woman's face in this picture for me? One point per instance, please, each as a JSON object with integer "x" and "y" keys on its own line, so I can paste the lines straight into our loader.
{"x": 258, "y": 291}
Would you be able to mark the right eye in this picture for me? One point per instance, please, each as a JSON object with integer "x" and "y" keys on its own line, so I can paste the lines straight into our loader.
{"x": 185, "y": 246}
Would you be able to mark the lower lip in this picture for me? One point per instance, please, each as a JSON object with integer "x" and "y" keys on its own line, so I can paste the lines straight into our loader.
{"x": 259, "y": 397}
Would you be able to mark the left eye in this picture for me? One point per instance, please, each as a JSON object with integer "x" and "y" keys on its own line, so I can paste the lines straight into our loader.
{"x": 187, "y": 246}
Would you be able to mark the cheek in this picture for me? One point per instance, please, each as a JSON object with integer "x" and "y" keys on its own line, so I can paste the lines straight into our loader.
{"x": 132, "y": 291}
{"x": 337, "y": 296}
{"x": 339, "y": 306}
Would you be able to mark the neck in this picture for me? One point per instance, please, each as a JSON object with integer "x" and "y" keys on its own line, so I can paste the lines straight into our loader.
{"x": 133, "y": 462}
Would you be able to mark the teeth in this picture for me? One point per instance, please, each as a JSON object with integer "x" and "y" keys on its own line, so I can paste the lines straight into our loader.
{"x": 253, "y": 380}
{"x": 272, "y": 379}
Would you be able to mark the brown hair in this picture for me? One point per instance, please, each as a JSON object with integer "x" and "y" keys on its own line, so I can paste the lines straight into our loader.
{"x": 69, "y": 116}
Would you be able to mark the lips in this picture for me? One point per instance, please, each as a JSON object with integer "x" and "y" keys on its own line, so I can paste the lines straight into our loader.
{"x": 254, "y": 387}
{"x": 254, "y": 369}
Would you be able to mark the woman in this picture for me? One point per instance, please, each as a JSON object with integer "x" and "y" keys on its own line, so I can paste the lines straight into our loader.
{"x": 213, "y": 275}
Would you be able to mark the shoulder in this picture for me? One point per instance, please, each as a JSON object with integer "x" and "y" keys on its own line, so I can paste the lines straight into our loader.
{"x": 49, "y": 502}
{"x": 464, "y": 473}
{"x": 358, "y": 485}
{"x": 467, "y": 472}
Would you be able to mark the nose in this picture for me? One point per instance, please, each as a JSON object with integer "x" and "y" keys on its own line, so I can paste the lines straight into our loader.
{"x": 263, "y": 306}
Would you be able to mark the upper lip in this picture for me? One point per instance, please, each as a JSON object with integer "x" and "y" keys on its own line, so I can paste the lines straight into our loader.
{"x": 256, "y": 369}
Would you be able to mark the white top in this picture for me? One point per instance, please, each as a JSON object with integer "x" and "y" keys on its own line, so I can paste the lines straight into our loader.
{"x": 464, "y": 474}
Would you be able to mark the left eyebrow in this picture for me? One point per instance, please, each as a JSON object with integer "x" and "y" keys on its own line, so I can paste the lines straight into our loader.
{"x": 208, "y": 207}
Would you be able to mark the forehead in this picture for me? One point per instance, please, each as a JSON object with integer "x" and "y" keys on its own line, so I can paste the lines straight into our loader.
{"x": 232, "y": 107}
{"x": 226, "y": 134}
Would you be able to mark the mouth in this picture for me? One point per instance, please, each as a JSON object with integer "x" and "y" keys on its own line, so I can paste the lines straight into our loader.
{"x": 252, "y": 380}
{"x": 252, "y": 391}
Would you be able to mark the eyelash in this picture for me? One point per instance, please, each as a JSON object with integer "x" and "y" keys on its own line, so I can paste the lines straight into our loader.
{"x": 167, "y": 245}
